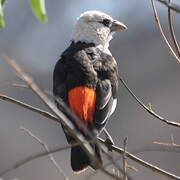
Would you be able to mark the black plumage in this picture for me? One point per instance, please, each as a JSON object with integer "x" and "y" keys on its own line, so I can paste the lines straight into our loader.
{"x": 83, "y": 64}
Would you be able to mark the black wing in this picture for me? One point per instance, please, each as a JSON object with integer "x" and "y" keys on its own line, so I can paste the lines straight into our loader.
{"x": 106, "y": 89}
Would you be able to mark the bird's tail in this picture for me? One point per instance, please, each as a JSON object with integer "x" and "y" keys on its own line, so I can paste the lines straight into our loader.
{"x": 79, "y": 159}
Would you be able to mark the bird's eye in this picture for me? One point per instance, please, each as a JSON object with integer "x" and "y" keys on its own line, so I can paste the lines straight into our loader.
{"x": 106, "y": 22}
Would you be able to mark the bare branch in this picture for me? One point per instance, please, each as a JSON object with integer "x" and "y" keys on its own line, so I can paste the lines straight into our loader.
{"x": 157, "y": 148}
{"x": 81, "y": 140}
{"x": 161, "y": 30}
{"x": 171, "y": 29}
{"x": 95, "y": 163}
{"x": 171, "y": 144}
{"x": 144, "y": 163}
{"x": 171, "y": 123}
{"x": 27, "y": 106}
{"x": 44, "y": 145}
{"x": 125, "y": 159}
{"x": 170, "y": 5}
{"x": 61, "y": 117}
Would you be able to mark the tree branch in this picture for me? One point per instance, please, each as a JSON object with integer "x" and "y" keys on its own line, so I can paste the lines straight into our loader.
{"x": 144, "y": 163}
{"x": 171, "y": 123}
{"x": 44, "y": 145}
{"x": 171, "y": 29}
{"x": 170, "y": 5}
{"x": 61, "y": 117}
{"x": 82, "y": 141}
{"x": 161, "y": 30}
{"x": 125, "y": 160}
{"x": 27, "y": 106}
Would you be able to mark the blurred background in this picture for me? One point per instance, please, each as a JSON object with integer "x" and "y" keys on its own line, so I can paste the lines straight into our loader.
{"x": 144, "y": 62}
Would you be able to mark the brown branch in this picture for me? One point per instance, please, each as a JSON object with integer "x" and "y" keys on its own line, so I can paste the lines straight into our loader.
{"x": 65, "y": 121}
{"x": 171, "y": 29}
{"x": 171, "y": 123}
{"x": 170, "y": 5}
{"x": 144, "y": 163}
{"x": 125, "y": 160}
{"x": 95, "y": 163}
{"x": 27, "y": 106}
{"x": 157, "y": 148}
{"x": 44, "y": 145}
{"x": 161, "y": 30}
{"x": 114, "y": 148}
{"x": 171, "y": 144}
{"x": 61, "y": 117}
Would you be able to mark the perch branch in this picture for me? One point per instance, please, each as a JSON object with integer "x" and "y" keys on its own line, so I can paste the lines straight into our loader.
{"x": 95, "y": 163}
{"x": 61, "y": 117}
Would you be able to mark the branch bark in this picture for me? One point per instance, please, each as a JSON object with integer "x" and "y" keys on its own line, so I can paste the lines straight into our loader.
{"x": 61, "y": 117}
{"x": 170, "y": 5}
{"x": 44, "y": 145}
{"x": 171, "y": 29}
{"x": 171, "y": 123}
{"x": 161, "y": 30}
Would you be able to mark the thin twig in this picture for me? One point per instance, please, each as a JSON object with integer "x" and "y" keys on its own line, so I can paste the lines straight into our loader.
{"x": 171, "y": 144}
{"x": 44, "y": 145}
{"x": 27, "y": 106}
{"x": 171, "y": 29}
{"x": 172, "y": 123}
{"x": 161, "y": 30}
{"x": 71, "y": 128}
{"x": 125, "y": 160}
{"x": 95, "y": 162}
{"x": 114, "y": 148}
{"x": 144, "y": 163}
{"x": 61, "y": 117}
{"x": 170, "y": 5}
{"x": 157, "y": 148}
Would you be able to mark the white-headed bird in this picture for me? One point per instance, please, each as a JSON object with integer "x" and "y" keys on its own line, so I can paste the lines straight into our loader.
{"x": 86, "y": 79}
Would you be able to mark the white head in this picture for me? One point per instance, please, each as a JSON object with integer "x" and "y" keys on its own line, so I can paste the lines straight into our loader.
{"x": 96, "y": 27}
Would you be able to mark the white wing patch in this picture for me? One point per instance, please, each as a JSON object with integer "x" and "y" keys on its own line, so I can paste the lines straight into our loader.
{"x": 111, "y": 111}
{"x": 113, "y": 106}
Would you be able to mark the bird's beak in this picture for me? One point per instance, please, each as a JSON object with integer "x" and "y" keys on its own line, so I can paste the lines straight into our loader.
{"x": 117, "y": 26}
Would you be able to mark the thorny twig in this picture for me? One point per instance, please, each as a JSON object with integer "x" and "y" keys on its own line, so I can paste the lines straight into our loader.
{"x": 44, "y": 145}
{"x": 161, "y": 30}
{"x": 172, "y": 123}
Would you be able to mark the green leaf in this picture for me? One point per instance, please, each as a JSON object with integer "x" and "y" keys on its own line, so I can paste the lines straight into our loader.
{"x": 2, "y": 2}
{"x": 150, "y": 106}
{"x": 39, "y": 10}
{"x": 2, "y": 22}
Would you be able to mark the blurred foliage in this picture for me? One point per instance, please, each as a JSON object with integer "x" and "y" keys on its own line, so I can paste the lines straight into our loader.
{"x": 39, "y": 10}
{"x": 37, "y": 6}
{"x": 2, "y": 22}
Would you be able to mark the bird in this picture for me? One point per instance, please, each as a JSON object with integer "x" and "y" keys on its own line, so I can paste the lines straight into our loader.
{"x": 85, "y": 78}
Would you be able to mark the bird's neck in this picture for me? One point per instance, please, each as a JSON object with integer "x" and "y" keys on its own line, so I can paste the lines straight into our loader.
{"x": 86, "y": 35}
